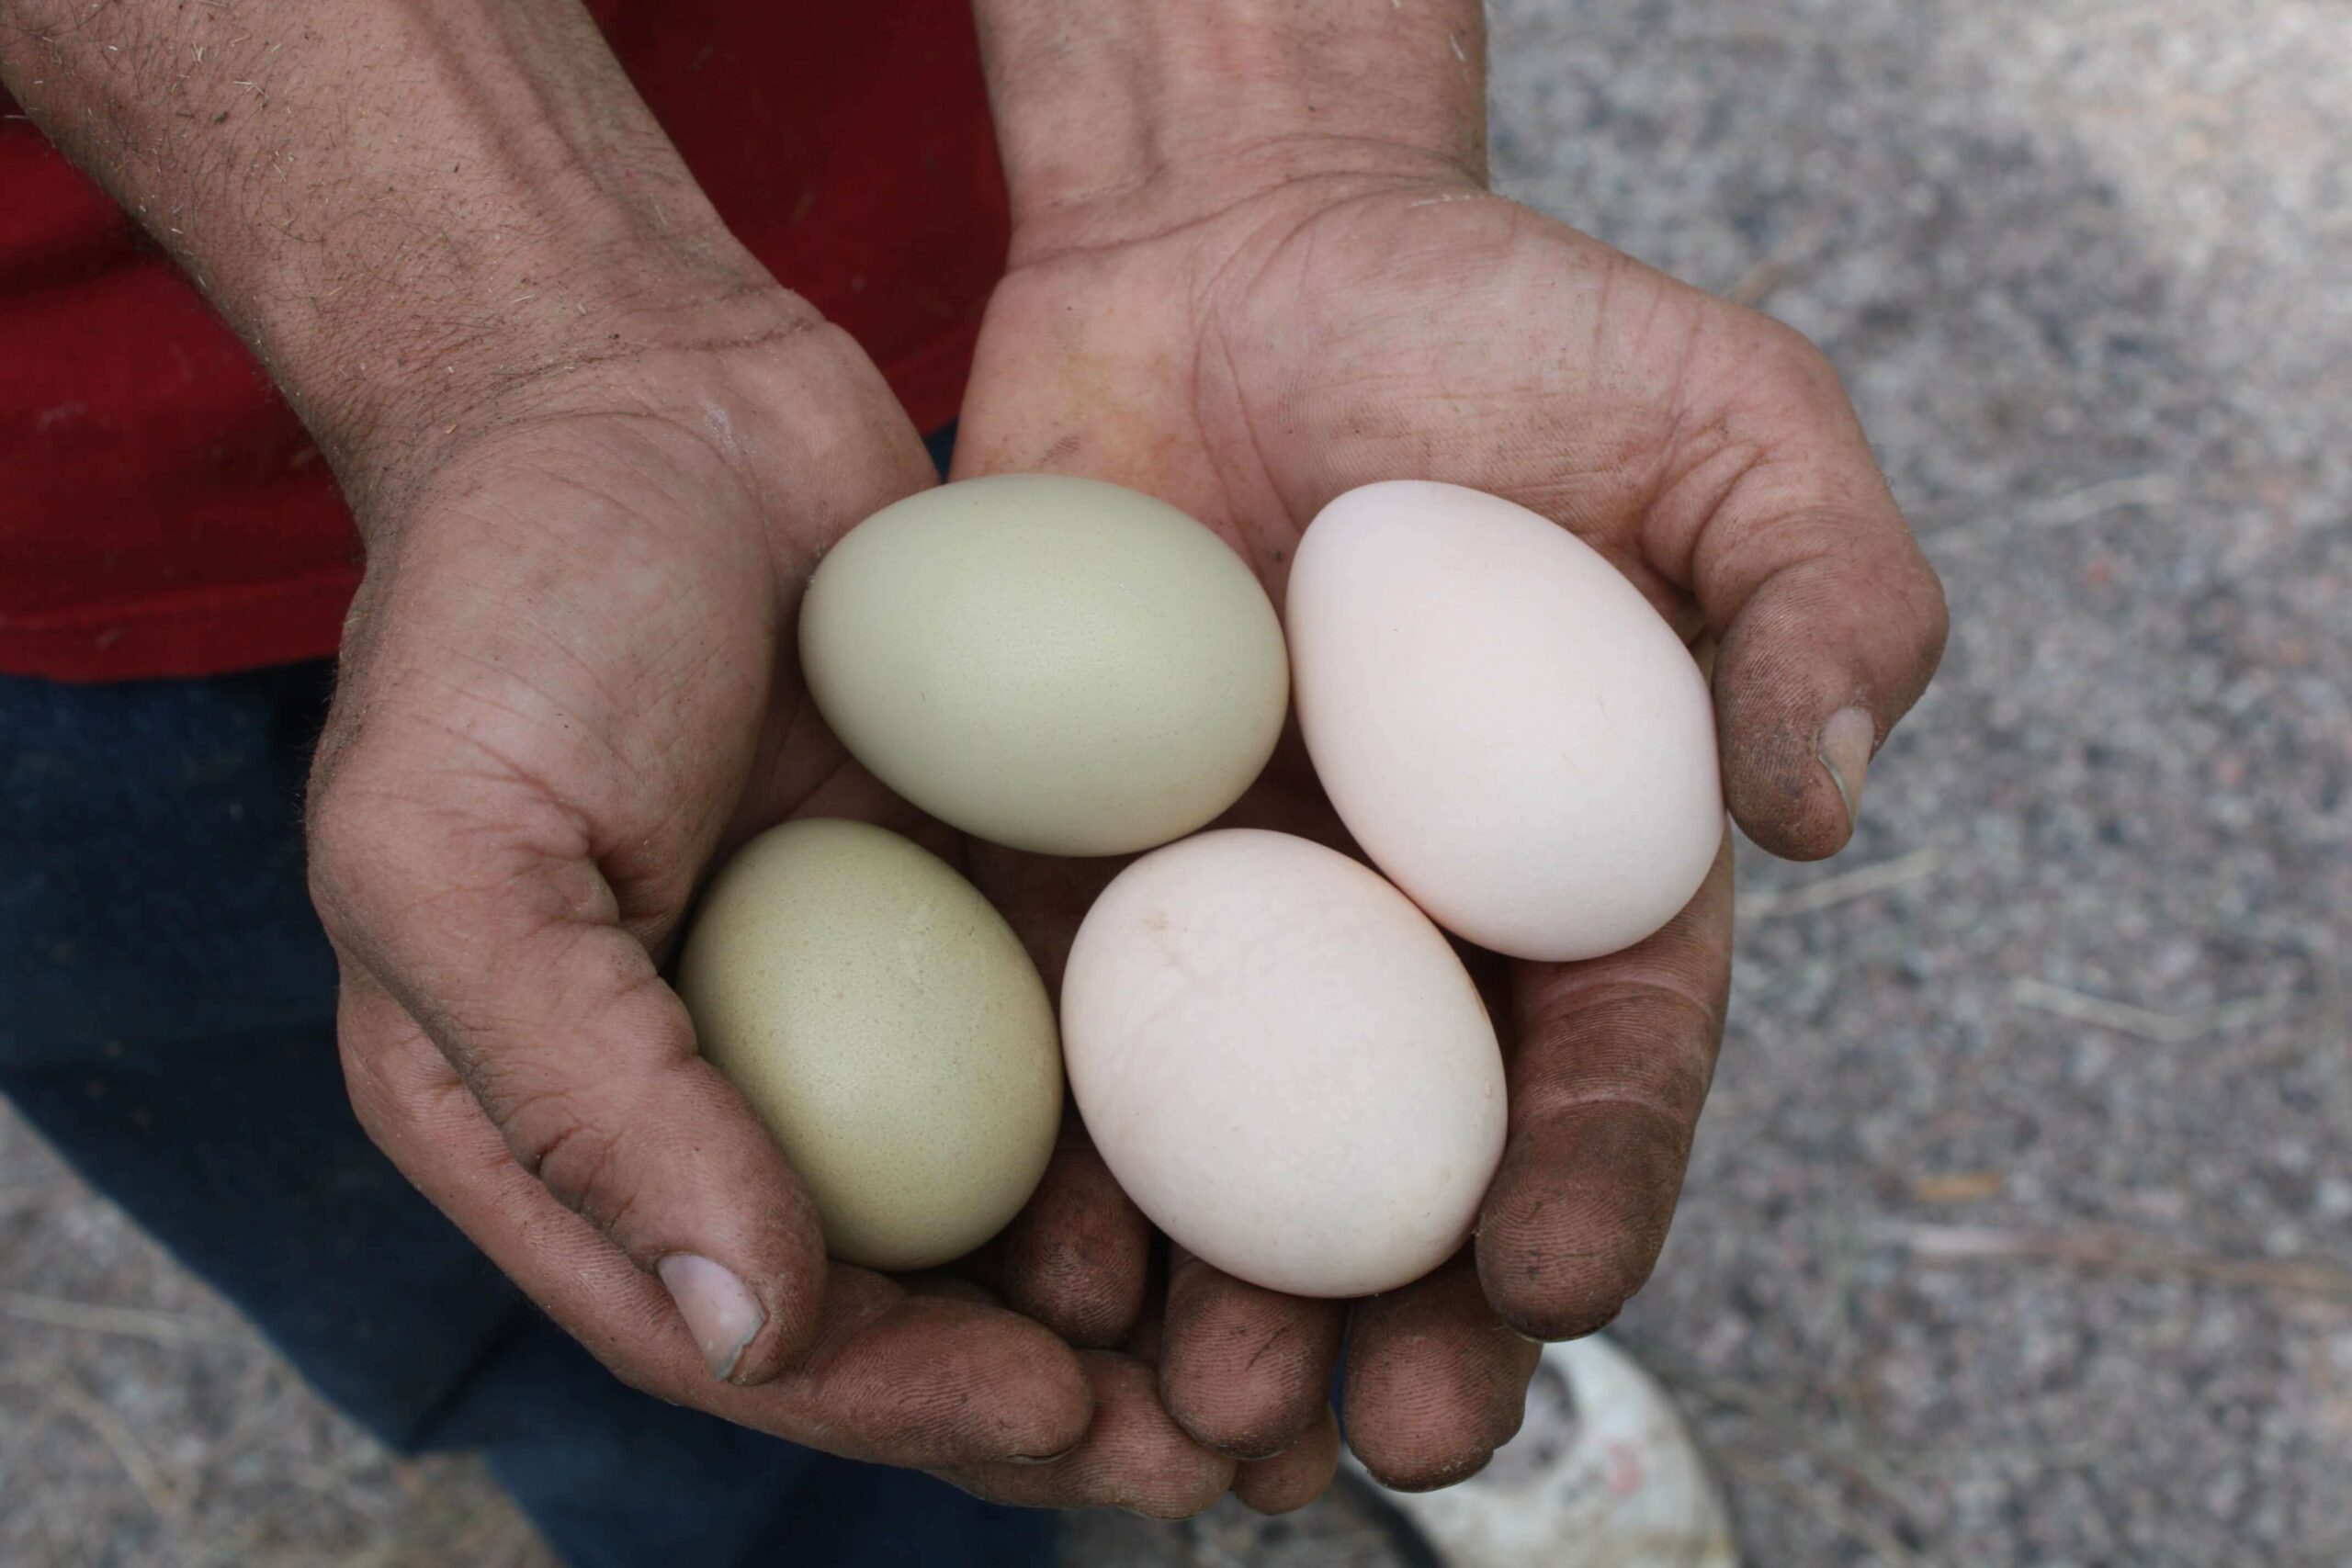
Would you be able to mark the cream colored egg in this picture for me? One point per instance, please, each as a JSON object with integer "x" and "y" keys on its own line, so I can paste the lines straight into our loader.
{"x": 1509, "y": 730}
{"x": 1283, "y": 1062}
{"x": 1052, "y": 663}
{"x": 887, "y": 1026}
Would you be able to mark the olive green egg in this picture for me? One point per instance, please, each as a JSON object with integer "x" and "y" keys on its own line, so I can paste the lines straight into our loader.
{"x": 1051, "y": 663}
{"x": 887, "y": 1026}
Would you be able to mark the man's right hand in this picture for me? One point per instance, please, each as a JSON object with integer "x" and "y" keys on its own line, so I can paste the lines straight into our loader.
{"x": 568, "y": 684}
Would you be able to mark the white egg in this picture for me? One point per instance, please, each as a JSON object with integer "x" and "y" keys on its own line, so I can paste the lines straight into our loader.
{"x": 1283, "y": 1062}
{"x": 1509, "y": 728}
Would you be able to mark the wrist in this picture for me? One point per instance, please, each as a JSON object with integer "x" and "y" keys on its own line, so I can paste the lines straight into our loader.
{"x": 551, "y": 245}
{"x": 743, "y": 409}
{"x": 384, "y": 389}
{"x": 1119, "y": 119}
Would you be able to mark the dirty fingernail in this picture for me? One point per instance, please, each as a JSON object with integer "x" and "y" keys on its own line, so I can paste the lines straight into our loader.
{"x": 1845, "y": 751}
{"x": 720, "y": 1311}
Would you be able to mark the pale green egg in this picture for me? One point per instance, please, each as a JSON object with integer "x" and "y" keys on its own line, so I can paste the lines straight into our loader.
{"x": 887, "y": 1026}
{"x": 1051, "y": 663}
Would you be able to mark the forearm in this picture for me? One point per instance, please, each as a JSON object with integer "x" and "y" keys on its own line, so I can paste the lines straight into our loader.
{"x": 1112, "y": 105}
{"x": 398, "y": 202}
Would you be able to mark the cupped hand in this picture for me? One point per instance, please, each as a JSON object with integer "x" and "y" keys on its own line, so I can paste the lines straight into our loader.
{"x": 1250, "y": 363}
{"x": 566, "y": 686}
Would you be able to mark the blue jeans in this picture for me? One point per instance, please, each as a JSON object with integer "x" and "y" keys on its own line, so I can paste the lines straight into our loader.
{"x": 167, "y": 1022}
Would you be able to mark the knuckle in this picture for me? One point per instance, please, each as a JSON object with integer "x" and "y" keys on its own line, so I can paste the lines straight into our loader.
{"x": 1790, "y": 355}
{"x": 1640, "y": 1103}
{"x": 358, "y": 842}
{"x": 371, "y": 1099}
{"x": 338, "y": 834}
{"x": 581, "y": 1161}
{"x": 1654, "y": 988}
{"x": 1629, "y": 1060}
{"x": 1932, "y": 612}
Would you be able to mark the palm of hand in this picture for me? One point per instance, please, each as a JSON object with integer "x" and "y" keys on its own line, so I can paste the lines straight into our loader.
{"x": 566, "y": 686}
{"x": 569, "y": 688}
{"x": 1248, "y": 369}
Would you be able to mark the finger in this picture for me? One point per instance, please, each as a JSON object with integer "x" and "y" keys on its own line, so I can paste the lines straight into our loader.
{"x": 898, "y": 1378}
{"x": 1831, "y": 620}
{"x": 1296, "y": 1476}
{"x": 1146, "y": 1338}
{"x": 949, "y": 1287}
{"x": 1610, "y": 1066}
{"x": 1076, "y": 1256}
{"x": 888, "y": 1376}
{"x": 487, "y": 916}
{"x": 1243, "y": 1369}
{"x": 1133, "y": 1457}
{"x": 1436, "y": 1383}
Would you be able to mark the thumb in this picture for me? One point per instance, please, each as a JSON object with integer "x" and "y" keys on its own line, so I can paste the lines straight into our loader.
{"x": 1829, "y": 620}
{"x": 489, "y": 924}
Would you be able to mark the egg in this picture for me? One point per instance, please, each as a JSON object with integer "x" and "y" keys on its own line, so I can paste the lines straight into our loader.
{"x": 1283, "y": 1062}
{"x": 1051, "y": 663}
{"x": 1507, "y": 728}
{"x": 889, "y": 1028}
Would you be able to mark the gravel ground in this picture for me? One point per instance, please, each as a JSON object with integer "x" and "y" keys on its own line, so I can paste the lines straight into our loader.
{"x": 2016, "y": 1232}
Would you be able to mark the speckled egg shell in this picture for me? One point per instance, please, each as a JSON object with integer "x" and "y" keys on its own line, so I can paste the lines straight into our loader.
{"x": 887, "y": 1026}
{"x": 1052, "y": 663}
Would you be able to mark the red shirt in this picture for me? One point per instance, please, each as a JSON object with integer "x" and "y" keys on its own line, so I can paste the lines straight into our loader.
{"x": 161, "y": 512}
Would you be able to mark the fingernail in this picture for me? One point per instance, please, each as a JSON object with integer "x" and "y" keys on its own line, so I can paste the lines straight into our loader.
{"x": 723, "y": 1315}
{"x": 1845, "y": 751}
